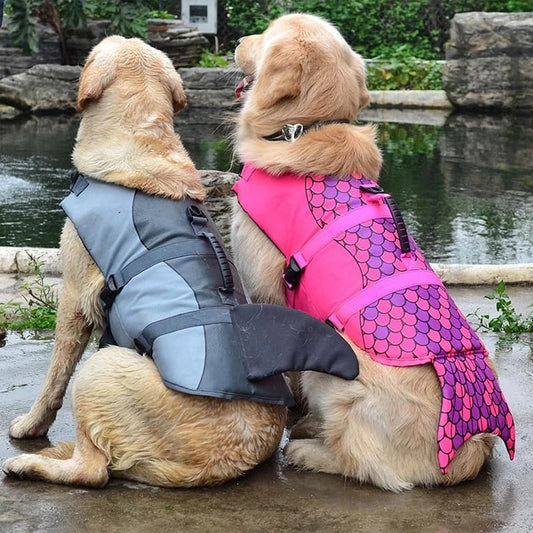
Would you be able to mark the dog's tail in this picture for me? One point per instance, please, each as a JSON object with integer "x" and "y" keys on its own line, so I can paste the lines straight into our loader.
{"x": 63, "y": 450}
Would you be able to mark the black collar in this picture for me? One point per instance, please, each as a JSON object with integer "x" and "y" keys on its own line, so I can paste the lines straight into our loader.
{"x": 292, "y": 132}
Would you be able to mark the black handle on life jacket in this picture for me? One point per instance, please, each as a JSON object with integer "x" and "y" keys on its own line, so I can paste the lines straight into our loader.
{"x": 399, "y": 223}
{"x": 199, "y": 220}
{"x": 397, "y": 218}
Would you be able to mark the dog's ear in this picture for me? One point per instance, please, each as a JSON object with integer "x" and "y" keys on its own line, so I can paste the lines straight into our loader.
{"x": 175, "y": 84}
{"x": 279, "y": 76}
{"x": 95, "y": 77}
{"x": 359, "y": 70}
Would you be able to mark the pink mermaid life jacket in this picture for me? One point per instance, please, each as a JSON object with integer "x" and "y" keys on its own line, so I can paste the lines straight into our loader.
{"x": 351, "y": 262}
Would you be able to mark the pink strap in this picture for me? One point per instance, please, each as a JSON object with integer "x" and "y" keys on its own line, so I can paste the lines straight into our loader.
{"x": 328, "y": 233}
{"x": 376, "y": 291}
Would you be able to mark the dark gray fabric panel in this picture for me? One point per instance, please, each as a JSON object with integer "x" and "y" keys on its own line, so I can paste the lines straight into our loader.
{"x": 277, "y": 339}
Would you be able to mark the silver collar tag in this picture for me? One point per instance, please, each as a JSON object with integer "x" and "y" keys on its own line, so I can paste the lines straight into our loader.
{"x": 292, "y": 132}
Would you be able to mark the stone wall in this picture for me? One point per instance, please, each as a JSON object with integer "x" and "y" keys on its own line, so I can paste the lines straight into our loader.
{"x": 489, "y": 61}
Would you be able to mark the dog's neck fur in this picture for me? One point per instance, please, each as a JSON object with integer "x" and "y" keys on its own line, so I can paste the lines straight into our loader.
{"x": 147, "y": 156}
{"x": 318, "y": 152}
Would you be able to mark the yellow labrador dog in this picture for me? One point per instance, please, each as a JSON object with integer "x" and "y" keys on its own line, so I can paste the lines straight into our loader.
{"x": 128, "y": 423}
{"x": 303, "y": 89}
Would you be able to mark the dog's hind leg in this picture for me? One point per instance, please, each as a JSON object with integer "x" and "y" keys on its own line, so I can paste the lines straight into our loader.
{"x": 81, "y": 286}
{"x": 72, "y": 335}
{"x": 312, "y": 454}
{"x": 87, "y": 465}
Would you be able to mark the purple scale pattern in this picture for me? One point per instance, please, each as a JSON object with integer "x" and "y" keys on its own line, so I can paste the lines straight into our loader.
{"x": 417, "y": 323}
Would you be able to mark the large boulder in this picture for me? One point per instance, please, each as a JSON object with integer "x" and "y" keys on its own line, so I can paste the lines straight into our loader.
{"x": 42, "y": 88}
{"x": 14, "y": 60}
{"x": 210, "y": 94}
{"x": 489, "y": 61}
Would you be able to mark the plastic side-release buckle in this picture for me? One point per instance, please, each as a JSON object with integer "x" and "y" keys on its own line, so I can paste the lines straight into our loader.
{"x": 376, "y": 195}
{"x": 292, "y": 274}
{"x": 376, "y": 189}
{"x": 110, "y": 291}
{"x": 196, "y": 217}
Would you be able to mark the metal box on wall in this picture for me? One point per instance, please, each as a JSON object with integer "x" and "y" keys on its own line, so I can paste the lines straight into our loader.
{"x": 200, "y": 13}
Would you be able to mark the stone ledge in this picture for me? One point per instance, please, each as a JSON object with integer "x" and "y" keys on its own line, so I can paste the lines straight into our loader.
{"x": 410, "y": 99}
{"x": 15, "y": 260}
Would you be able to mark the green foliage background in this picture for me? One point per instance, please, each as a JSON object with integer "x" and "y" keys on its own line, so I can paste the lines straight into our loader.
{"x": 398, "y": 31}
{"x": 372, "y": 27}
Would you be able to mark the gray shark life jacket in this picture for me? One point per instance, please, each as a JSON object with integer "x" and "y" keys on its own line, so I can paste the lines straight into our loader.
{"x": 171, "y": 292}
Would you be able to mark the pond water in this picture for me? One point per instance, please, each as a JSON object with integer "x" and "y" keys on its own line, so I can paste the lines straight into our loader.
{"x": 465, "y": 188}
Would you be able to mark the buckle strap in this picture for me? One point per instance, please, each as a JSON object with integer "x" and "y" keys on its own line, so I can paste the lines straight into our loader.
{"x": 342, "y": 223}
{"x": 292, "y": 274}
{"x": 117, "y": 281}
{"x": 199, "y": 317}
{"x": 378, "y": 290}
{"x": 197, "y": 218}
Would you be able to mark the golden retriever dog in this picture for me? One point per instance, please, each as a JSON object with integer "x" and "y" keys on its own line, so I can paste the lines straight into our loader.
{"x": 380, "y": 428}
{"x": 128, "y": 423}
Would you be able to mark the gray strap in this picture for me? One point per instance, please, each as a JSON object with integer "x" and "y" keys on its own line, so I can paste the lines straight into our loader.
{"x": 199, "y": 317}
{"x": 155, "y": 256}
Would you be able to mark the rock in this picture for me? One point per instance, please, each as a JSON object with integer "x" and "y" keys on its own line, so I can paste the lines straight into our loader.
{"x": 490, "y": 61}
{"x": 210, "y": 94}
{"x": 14, "y": 61}
{"x": 219, "y": 199}
{"x": 409, "y": 99}
{"x": 488, "y": 153}
{"x": 183, "y": 44}
{"x": 7, "y": 112}
{"x": 42, "y": 88}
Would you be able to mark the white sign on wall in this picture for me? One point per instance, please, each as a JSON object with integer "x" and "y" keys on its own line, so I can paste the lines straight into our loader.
{"x": 200, "y": 13}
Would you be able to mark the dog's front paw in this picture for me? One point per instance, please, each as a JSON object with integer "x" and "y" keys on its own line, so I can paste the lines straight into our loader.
{"x": 28, "y": 426}
{"x": 20, "y": 466}
{"x": 311, "y": 454}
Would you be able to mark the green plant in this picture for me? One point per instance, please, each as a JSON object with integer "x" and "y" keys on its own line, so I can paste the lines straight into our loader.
{"x": 210, "y": 59}
{"x": 39, "y": 307}
{"x": 508, "y": 320}
{"x": 128, "y": 18}
{"x": 161, "y": 14}
{"x": 397, "y": 73}
{"x": 21, "y": 24}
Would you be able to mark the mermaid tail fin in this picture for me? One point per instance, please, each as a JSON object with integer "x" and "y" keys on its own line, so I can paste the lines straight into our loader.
{"x": 472, "y": 403}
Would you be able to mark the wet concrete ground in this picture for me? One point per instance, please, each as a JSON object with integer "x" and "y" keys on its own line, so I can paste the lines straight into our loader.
{"x": 274, "y": 497}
